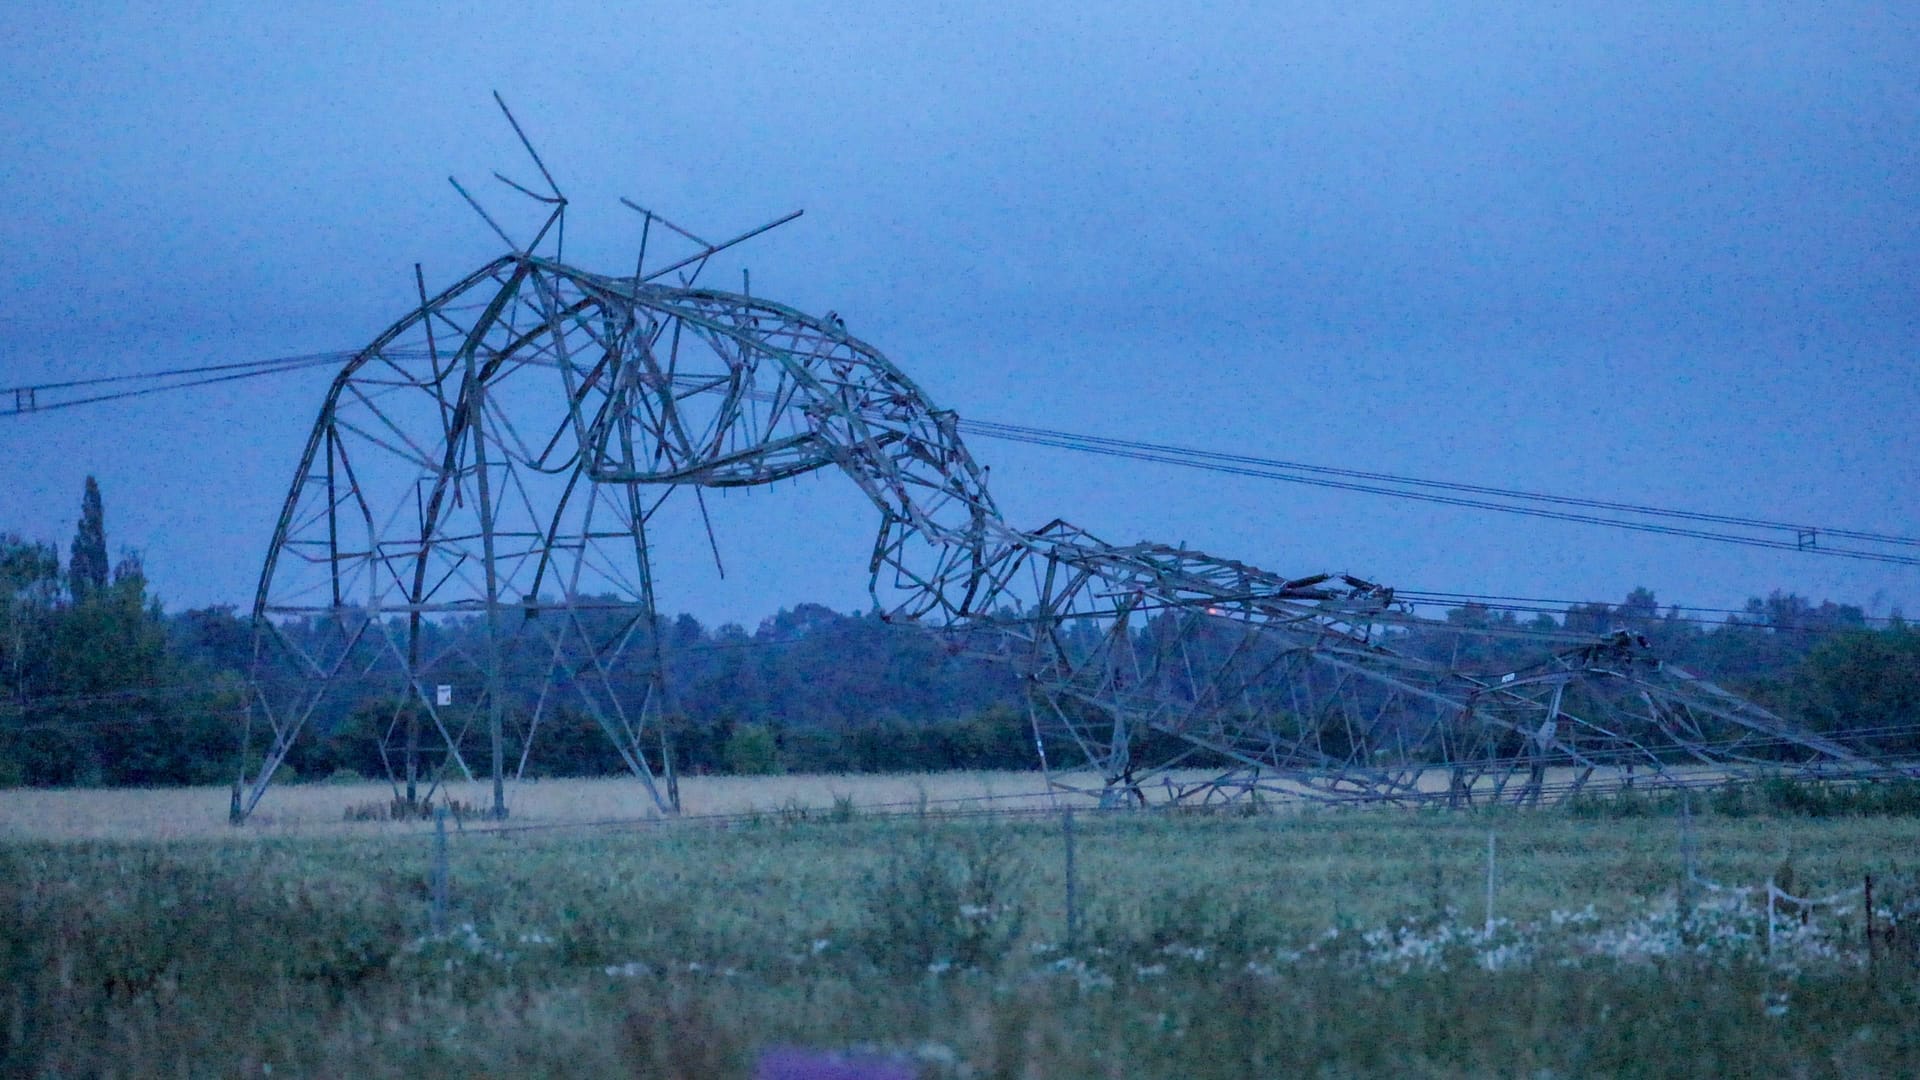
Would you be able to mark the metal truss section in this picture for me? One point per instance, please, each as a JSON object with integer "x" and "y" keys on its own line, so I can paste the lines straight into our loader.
{"x": 498, "y": 454}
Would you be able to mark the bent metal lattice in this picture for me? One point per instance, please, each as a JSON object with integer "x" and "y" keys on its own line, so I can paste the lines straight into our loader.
{"x": 499, "y": 453}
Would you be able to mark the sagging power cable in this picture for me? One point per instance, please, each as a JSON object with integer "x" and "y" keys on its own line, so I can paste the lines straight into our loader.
{"x": 1641, "y": 517}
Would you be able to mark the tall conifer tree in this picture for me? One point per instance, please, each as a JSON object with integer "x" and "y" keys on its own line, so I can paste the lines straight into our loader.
{"x": 87, "y": 563}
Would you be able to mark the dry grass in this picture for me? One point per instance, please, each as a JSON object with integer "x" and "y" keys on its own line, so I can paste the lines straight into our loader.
{"x": 1206, "y": 944}
{"x": 319, "y": 809}
{"x": 662, "y": 952}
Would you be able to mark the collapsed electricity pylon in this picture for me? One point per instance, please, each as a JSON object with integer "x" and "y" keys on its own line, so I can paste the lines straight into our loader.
{"x": 498, "y": 454}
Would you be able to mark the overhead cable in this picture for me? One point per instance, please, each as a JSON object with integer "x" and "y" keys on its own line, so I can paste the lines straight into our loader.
{"x": 1804, "y": 538}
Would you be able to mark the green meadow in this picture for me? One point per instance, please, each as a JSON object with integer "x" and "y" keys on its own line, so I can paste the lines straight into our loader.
{"x": 1316, "y": 943}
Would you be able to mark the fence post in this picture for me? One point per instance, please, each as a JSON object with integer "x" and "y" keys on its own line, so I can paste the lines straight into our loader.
{"x": 1686, "y": 841}
{"x": 1073, "y": 886}
{"x": 438, "y": 919}
{"x": 1771, "y": 893}
{"x": 1683, "y": 896}
{"x": 1869, "y": 903}
{"x": 1489, "y": 882}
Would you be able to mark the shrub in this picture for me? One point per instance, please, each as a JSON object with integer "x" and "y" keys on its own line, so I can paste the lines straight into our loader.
{"x": 946, "y": 901}
{"x": 751, "y": 751}
{"x": 1777, "y": 796}
{"x": 1188, "y": 923}
{"x": 284, "y": 774}
{"x": 1624, "y": 804}
{"x": 399, "y": 809}
{"x": 1786, "y": 797}
{"x": 1897, "y": 904}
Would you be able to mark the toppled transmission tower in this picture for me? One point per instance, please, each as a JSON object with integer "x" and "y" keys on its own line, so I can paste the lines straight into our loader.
{"x": 498, "y": 454}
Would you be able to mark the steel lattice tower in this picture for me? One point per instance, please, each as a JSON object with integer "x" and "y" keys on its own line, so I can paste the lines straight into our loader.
{"x": 498, "y": 453}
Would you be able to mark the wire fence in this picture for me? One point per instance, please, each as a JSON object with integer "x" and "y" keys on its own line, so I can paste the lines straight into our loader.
{"x": 1052, "y": 800}
{"x": 1784, "y": 910}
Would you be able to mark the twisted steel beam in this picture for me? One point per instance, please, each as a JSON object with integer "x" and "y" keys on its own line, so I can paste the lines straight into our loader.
{"x": 498, "y": 453}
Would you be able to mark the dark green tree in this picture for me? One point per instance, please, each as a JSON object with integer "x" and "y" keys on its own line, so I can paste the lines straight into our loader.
{"x": 752, "y": 751}
{"x": 29, "y": 595}
{"x": 1865, "y": 682}
{"x": 29, "y": 605}
{"x": 1639, "y": 611}
{"x": 87, "y": 561}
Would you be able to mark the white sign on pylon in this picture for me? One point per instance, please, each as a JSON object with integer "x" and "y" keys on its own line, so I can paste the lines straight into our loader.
{"x": 443, "y": 694}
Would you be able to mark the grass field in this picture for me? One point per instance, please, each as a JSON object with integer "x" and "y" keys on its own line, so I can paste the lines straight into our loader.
{"x": 1326, "y": 943}
{"x": 317, "y": 810}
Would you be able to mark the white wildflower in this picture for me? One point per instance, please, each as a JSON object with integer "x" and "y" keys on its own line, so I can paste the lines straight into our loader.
{"x": 938, "y": 1054}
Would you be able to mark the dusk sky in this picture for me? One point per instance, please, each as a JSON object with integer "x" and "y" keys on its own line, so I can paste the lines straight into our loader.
{"x": 1666, "y": 254}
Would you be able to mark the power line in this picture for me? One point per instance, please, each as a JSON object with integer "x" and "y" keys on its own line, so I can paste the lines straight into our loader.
{"x": 1805, "y": 538}
{"x": 328, "y": 357}
{"x": 1210, "y": 462}
{"x": 26, "y": 399}
{"x": 1019, "y": 432}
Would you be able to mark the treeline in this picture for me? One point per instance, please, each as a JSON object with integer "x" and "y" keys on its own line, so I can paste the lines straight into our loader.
{"x": 572, "y": 744}
{"x": 1825, "y": 665}
{"x": 96, "y": 686}
{"x": 100, "y": 686}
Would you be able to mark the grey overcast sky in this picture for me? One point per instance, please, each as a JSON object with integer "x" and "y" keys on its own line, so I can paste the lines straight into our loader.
{"x": 1666, "y": 253}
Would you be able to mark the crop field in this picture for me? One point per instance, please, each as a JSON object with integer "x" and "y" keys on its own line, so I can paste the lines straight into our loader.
{"x": 320, "y": 809}
{"x": 932, "y": 944}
